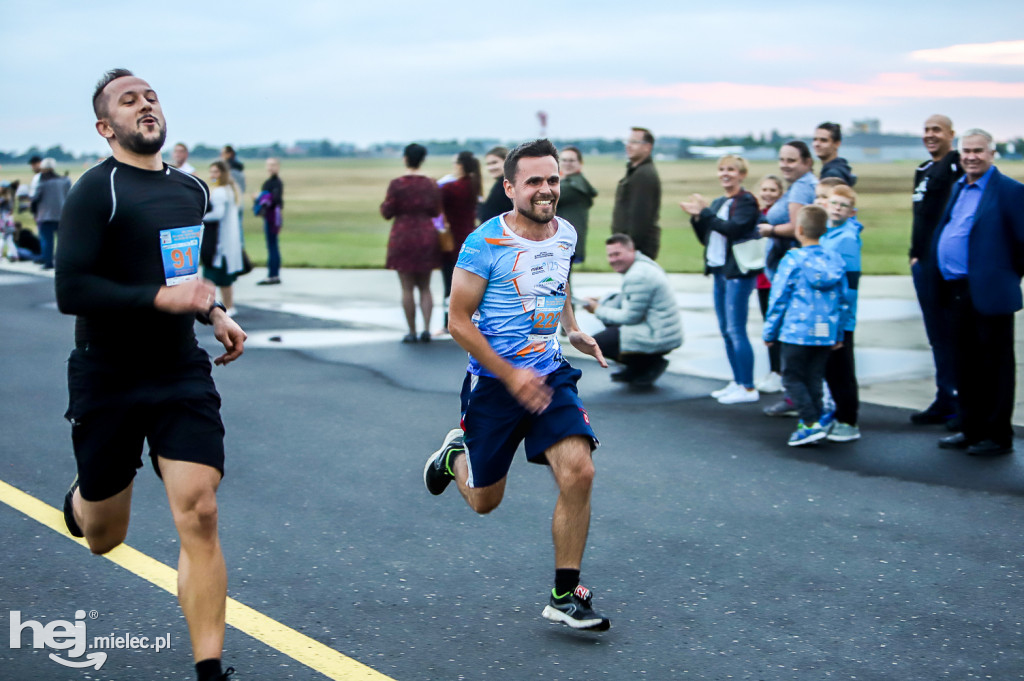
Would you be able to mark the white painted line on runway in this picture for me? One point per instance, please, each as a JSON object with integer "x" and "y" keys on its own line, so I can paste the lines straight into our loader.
{"x": 283, "y": 638}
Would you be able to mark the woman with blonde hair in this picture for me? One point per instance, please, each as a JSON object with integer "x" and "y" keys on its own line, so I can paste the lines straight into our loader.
{"x": 222, "y": 261}
{"x": 722, "y": 226}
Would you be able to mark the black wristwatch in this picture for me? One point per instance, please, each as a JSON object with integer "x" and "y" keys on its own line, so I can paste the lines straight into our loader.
{"x": 205, "y": 318}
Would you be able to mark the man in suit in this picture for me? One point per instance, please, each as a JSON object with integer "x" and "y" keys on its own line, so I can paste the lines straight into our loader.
{"x": 978, "y": 261}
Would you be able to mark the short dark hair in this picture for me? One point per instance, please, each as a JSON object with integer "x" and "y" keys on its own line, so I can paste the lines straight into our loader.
{"x": 99, "y": 107}
{"x": 230, "y": 150}
{"x": 499, "y": 151}
{"x": 621, "y": 239}
{"x": 414, "y": 155}
{"x": 814, "y": 221}
{"x": 805, "y": 152}
{"x": 573, "y": 147}
{"x": 534, "y": 149}
{"x": 833, "y": 129}
{"x": 35, "y": 159}
{"x": 648, "y": 135}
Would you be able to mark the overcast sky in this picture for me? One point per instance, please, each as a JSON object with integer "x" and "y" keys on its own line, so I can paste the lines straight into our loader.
{"x": 259, "y": 72}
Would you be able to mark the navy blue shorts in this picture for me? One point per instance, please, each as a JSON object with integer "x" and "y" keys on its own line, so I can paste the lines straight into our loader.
{"x": 495, "y": 423}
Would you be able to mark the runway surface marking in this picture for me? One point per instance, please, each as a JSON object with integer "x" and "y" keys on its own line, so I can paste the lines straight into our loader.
{"x": 295, "y": 645}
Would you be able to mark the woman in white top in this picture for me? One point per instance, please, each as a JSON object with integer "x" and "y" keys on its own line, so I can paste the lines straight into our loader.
{"x": 223, "y": 264}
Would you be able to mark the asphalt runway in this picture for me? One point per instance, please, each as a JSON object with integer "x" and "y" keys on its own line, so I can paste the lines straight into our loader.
{"x": 717, "y": 551}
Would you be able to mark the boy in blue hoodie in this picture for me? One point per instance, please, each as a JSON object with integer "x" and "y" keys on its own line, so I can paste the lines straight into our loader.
{"x": 843, "y": 237}
{"x": 806, "y": 313}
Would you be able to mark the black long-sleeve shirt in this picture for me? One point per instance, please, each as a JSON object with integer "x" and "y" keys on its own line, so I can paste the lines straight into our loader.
{"x": 110, "y": 265}
{"x": 933, "y": 181}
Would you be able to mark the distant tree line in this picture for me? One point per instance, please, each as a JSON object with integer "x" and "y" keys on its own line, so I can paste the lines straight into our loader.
{"x": 670, "y": 147}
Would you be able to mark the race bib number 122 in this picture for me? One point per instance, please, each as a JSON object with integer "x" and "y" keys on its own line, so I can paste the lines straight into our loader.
{"x": 179, "y": 249}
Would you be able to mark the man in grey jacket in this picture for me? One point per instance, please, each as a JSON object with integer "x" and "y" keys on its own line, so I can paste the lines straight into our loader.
{"x": 47, "y": 204}
{"x": 642, "y": 321}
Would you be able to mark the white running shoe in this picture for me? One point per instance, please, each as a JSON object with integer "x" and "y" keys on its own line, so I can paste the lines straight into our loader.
{"x": 771, "y": 383}
{"x": 739, "y": 396}
{"x": 728, "y": 388}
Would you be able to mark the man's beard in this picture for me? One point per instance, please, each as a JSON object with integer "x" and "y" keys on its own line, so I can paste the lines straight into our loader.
{"x": 528, "y": 212}
{"x": 135, "y": 142}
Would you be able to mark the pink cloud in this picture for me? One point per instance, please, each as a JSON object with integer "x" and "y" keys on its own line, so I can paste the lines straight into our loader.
{"x": 1006, "y": 53}
{"x": 729, "y": 96}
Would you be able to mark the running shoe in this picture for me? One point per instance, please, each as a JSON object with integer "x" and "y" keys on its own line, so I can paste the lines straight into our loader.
{"x": 437, "y": 472}
{"x": 783, "y": 407}
{"x": 843, "y": 432}
{"x": 69, "y": 513}
{"x": 805, "y": 435}
{"x": 575, "y": 610}
{"x": 725, "y": 390}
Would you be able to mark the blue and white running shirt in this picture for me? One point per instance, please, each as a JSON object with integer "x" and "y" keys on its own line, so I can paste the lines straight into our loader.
{"x": 525, "y": 295}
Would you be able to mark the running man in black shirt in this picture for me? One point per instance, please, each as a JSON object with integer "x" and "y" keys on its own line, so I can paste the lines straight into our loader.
{"x": 127, "y": 267}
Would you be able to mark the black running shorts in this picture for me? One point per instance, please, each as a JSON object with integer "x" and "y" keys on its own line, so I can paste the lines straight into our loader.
{"x": 113, "y": 409}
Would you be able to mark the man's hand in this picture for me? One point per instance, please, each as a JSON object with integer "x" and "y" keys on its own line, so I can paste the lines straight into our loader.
{"x": 768, "y": 344}
{"x": 230, "y": 334}
{"x": 765, "y": 229}
{"x": 190, "y": 297}
{"x": 588, "y": 346}
{"x": 913, "y": 261}
{"x": 529, "y": 389}
{"x": 838, "y": 345}
{"x": 590, "y": 304}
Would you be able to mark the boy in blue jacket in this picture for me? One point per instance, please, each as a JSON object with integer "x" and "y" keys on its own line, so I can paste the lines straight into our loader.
{"x": 806, "y": 313}
{"x": 843, "y": 237}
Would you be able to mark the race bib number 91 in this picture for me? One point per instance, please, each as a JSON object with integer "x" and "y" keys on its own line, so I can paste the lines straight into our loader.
{"x": 179, "y": 249}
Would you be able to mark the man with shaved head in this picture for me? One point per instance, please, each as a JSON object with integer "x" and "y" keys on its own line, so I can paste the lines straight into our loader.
{"x": 128, "y": 269}
{"x": 933, "y": 181}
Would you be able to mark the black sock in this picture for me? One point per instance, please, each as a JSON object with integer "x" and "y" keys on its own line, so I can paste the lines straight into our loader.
{"x": 209, "y": 670}
{"x": 566, "y": 581}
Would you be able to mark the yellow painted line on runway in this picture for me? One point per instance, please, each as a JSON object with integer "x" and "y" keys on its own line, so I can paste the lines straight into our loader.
{"x": 295, "y": 645}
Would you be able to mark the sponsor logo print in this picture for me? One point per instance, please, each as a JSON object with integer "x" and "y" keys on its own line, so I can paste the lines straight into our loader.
{"x": 62, "y": 635}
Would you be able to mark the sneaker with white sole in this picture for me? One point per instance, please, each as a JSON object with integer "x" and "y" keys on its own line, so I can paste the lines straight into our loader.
{"x": 783, "y": 407}
{"x": 728, "y": 388}
{"x": 437, "y": 472}
{"x": 805, "y": 435}
{"x": 843, "y": 432}
{"x": 739, "y": 396}
{"x": 575, "y": 610}
{"x": 771, "y": 383}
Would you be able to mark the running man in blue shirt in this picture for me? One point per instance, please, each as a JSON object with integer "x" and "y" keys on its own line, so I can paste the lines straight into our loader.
{"x": 509, "y": 293}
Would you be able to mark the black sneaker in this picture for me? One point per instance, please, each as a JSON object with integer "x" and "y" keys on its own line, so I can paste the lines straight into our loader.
{"x": 437, "y": 472}
{"x": 69, "y": 514}
{"x": 574, "y": 609}
{"x": 935, "y": 414}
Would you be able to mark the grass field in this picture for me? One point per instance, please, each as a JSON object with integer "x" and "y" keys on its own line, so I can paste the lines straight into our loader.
{"x": 332, "y": 219}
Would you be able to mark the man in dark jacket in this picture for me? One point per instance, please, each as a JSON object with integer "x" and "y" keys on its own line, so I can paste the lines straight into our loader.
{"x": 827, "y": 139}
{"x": 933, "y": 181}
{"x": 978, "y": 256}
{"x": 638, "y": 196}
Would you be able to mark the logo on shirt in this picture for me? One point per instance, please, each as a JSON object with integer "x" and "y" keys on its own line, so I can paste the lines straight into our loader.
{"x": 543, "y": 254}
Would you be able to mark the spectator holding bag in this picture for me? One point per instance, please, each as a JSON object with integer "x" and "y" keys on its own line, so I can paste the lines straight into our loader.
{"x": 733, "y": 255}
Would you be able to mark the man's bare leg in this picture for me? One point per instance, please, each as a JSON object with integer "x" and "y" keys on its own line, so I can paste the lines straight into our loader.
{"x": 480, "y": 499}
{"x": 202, "y": 575}
{"x": 104, "y": 523}
{"x": 573, "y": 468}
